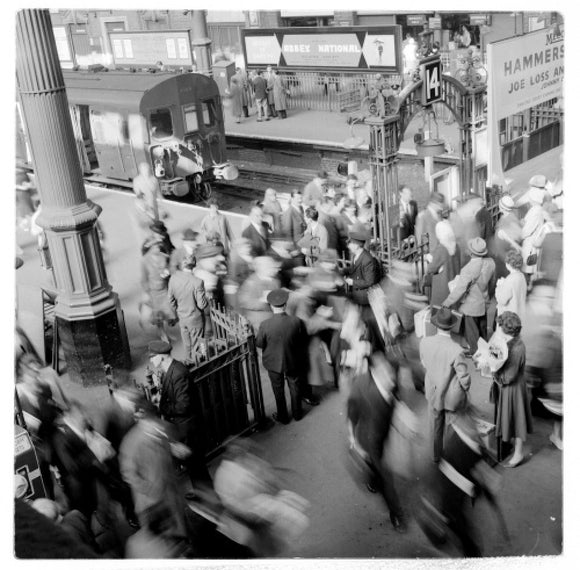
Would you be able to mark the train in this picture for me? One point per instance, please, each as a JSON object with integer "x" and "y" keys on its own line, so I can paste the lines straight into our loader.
{"x": 172, "y": 121}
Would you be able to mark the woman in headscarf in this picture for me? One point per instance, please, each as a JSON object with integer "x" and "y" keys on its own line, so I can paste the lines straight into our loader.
{"x": 513, "y": 416}
{"x": 445, "y": 264}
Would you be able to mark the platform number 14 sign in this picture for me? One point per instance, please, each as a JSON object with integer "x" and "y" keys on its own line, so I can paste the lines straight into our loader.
{"x": 431, "y": 75}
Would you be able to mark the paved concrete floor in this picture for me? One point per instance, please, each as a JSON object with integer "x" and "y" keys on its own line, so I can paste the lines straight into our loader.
{"x": 346, "y": 520}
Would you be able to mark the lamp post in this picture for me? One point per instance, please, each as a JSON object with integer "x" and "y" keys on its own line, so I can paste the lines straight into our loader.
{"x": 88, "y": 316}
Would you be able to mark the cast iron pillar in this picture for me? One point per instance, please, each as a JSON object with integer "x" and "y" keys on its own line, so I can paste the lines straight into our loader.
{"x": 383, "y": 148}
{"x": 201, "y": 43}
{"x": 89, "y": 319}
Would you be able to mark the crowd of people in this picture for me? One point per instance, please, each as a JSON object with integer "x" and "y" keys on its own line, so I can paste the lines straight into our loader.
{"x": 325, "y": 313}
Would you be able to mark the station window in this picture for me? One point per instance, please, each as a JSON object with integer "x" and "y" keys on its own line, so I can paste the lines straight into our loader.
{"x": 160, "y": 124}
{"x": 209, "y": 114}
{"x": 190, "y": 114}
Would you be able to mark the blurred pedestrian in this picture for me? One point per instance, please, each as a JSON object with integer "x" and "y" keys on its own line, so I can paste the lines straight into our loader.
{"x": 257, "y": 232}
{"x": 242, "y": 79}
{"x": 283, "y": 340}
{"x": 315, "y": 238}
{"x": 447, "y": 378}
{"x": 210, "y": 268}
{"x": 445, "y": 263}
{"x": 154, "y": 281}
{"x": 235, "y": 93}
{"x": 407, "y": 212}
{"x": 179, "y": 407}
{"x": 147, "y": 197}
{"x": 216, "y": 224}
{"x": 511, "y": 291}
{"x": 186, "y": 252}
{"x": 472, "y": 293}
{"x": 508, "y": 234}
{"x": 24, "y": 205}
{"x": 158, "y": 234}
{"x": 427, "y": 220}
{"x": 532, "y": 228}
{"x": 240, "y": 266}
{"x": 272, "y": 210}
{"x": 370, "y": 407}
{"x": 325, "y": 208}
{"x": 512, "y": 417}
{"x": 253, "y": 292}
{"x": 147, "y": 466}
{"x": 315, "y": 189}
{"x": 187, "y": 297}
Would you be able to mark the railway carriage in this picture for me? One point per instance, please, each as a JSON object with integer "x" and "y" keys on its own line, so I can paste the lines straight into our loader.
{"x": 173, "y": 121}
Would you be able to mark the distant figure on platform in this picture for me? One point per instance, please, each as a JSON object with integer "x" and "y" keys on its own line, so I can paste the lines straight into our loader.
{"x": 216, "y": 226}
{"x": 465, "y": 37}
{"x": 280, "y": 92}
{"x": 261, "y": 96}
{"x": 284, "y": 343}
{"x": 408, "y": 212}
{"x": 187, "y": 297}
{"x": 508, "y": 235}
{"x": 242, "y": 78}
{"x": 315, "y": 189}
{"x": 533, "y": 224}
{"x": 270, "y": 78}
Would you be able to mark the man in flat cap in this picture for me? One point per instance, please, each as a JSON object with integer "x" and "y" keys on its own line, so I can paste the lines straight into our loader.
{"x": 283, "y": 340}
{"x": 179, "y": 407}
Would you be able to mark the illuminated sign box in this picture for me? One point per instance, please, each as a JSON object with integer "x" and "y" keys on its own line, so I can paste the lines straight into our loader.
{"x": 417, "y": 20}
{"x": 480, "y": 20}
{"x": 348, "y": 48}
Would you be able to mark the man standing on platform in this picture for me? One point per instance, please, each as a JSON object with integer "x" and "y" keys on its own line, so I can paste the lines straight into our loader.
{"x": 408, "y": 213}
{"x": 443, "y": 360}
{"x": 261, "y": 96}
{"x": 293, "y": 223}
{"x": 284, "y": 340}
{"x": 187, "y": 297}
{"x": 257, "y": 232}
{"x": 270, "y": 79}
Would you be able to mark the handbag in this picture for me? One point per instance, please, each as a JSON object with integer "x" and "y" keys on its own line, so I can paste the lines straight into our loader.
{"x": 455, "y": 396}
{"x": 532, "y": 259}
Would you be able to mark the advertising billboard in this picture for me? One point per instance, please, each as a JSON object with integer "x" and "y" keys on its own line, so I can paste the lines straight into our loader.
{"x": 348, "y": 48}
{"x": 524, "y": 71}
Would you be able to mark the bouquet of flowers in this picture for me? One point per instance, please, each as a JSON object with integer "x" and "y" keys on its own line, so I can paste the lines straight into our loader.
{"x": 491, "y": 356}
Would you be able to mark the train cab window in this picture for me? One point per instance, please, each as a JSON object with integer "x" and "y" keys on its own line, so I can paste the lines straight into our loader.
{"x": 209, "y": 114}
{"x": 190, "y": 114}
{"x": 160, "y": 124}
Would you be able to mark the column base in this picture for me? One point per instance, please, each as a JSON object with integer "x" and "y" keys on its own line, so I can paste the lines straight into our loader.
{"x": 89, "y": 344}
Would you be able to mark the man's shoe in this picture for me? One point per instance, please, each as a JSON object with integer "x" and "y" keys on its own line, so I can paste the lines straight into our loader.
{"x": 276, "y": 419}
{"x": 311, "y": 401}
{"x": 398, "y": 523}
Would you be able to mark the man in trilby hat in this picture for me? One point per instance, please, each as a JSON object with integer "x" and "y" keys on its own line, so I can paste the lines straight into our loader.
{"x": 443, "y": 359}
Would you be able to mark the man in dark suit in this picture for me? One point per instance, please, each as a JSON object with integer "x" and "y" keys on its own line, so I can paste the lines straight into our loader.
{"x": 370, "y": 410}
{"x": 408, "y": 213}
{"x": 187, "y": 297}
{"x": 293, "y": 223}
{"x": 257, "y": 232}
{"x": 179, "y": 407}
{"x": 283, "y": 340}
{"x": 364, "y": 271}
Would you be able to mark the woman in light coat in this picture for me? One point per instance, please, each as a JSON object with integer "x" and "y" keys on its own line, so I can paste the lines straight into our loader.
{"x": 445, "y": 264}
{"x": 237, "y": 97}
{"x": 510, "y": 291}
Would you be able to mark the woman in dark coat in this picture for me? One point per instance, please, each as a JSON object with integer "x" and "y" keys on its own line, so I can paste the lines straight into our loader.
{"x": 445, "y": 264}
{"x": 513, "y": 416}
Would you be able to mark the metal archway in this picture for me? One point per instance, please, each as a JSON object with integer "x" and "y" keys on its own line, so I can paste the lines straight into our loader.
{"x": 467, "y": 106}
